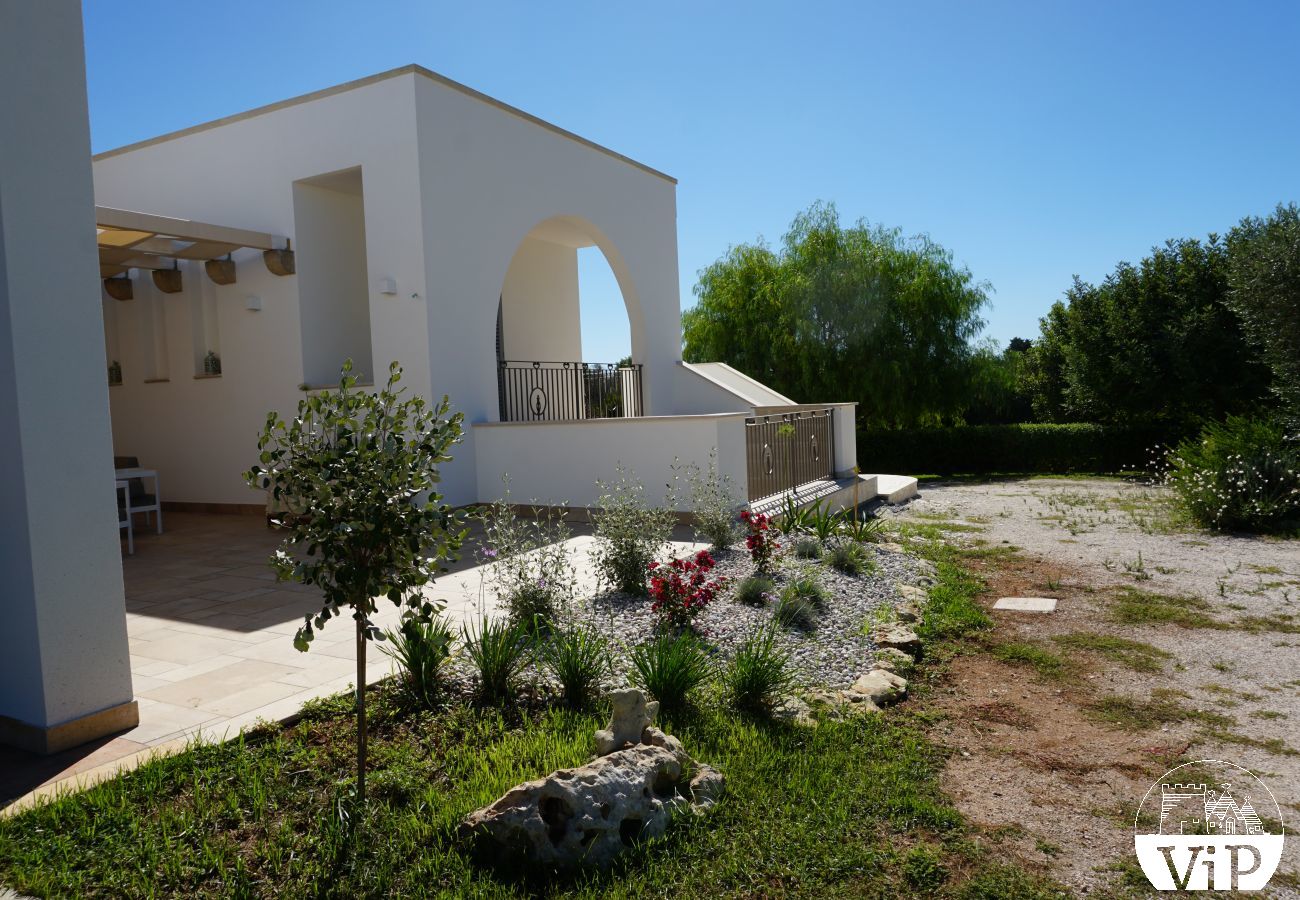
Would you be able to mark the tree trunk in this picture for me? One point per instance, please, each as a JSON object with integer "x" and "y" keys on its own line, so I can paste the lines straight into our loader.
{"x": 361, "y": 715}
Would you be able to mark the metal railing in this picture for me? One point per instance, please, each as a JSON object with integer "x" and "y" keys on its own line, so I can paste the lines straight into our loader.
{"x": 566, "y": 391}
{"x": 786, "y": 450}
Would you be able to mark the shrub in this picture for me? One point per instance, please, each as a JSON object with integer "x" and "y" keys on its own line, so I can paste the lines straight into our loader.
{"x": 578, "y": 658}
{"x": 984, "y": 449}
{"x": 759, "y": 675}
{"x": 422, "y": 649}
{"x": 499, "y": 650}
{"x": 527, "y": 562}
{"x": 755, "y": 591}
{"x": 848, "y": 557}
{"x": 809, "y": 588}
{"x": 1238, "y": 475}
{"x": 681, "y": 589}
{"x": 794, "y": 611}
{"x": 629, "y": 534}
{"x": 807, "y": 547}
{"x": 671, "y": 667}
{"x": 714, "y": 504}
{"x": 759, "y": 540}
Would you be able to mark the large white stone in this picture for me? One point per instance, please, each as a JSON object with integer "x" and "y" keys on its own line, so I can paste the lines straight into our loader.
{"x": 1026, "y": 604}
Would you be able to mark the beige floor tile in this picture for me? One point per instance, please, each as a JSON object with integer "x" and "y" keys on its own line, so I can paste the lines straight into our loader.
{"x": 207, "y": 664}
{"x": 183, "y": 647}
{"x": 205, "y": 690}
{"x": 249, "y": 698}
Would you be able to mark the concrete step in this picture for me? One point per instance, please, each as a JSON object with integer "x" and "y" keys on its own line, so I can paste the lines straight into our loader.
{"x": 838, "y": 493}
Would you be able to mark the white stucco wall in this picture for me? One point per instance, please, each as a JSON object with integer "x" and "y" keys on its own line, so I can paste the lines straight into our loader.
{"x": 540, "y": 313}
{"x": 593, "y": 450}
{"x": 65, "y": 647}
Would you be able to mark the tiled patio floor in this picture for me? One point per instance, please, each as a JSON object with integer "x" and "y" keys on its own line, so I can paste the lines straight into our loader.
{"x": 211, "y": 641}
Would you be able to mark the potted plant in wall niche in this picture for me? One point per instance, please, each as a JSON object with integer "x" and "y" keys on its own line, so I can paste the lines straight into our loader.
{"x": 212, "y": 363}
{"x": 114, "y": 372}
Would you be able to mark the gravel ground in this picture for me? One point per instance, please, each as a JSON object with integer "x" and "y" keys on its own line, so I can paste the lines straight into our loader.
{"x": 832, "y": 654}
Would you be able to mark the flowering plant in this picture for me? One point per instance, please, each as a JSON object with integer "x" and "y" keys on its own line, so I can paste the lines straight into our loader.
{"x": 681, "y": 589}
{"x": 760, "y": 544}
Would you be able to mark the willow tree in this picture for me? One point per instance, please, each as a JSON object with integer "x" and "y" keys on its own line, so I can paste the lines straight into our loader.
{"x": 844, "y": 313}
{"x": 357, "y": 471}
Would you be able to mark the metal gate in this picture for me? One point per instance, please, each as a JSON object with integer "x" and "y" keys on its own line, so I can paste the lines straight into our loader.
{"x": 785, "y": 450}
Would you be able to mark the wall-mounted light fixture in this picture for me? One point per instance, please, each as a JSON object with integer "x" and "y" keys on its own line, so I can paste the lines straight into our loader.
{"x": 253, "y": 302}
{"x": 387, "y": 285}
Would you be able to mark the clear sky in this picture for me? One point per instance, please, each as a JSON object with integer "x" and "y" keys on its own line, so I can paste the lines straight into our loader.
{"x": 1036, "y": 140}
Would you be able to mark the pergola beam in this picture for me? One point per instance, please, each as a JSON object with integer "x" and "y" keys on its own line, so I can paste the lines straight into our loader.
{"x": 181, "y": 229}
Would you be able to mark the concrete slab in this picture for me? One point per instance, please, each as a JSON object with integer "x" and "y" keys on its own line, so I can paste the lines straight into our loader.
{"x": 1026, "y": 604}
{"x": 895, "y": 488}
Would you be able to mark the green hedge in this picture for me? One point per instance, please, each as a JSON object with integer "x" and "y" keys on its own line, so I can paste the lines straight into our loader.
{"x": 983, "y": 449}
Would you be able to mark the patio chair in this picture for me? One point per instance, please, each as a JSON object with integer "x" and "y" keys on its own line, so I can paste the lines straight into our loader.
{"x": 140, "y": 499}
{"x": 123, "y": 518}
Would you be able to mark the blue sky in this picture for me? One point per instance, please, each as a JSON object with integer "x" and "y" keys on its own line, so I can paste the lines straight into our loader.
{"x": 1036, "y": 140}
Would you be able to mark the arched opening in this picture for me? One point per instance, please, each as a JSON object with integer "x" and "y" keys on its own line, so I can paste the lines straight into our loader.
{"x": 562, "y": 298}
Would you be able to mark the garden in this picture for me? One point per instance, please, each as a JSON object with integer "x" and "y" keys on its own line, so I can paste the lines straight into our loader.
{"x": 754, "y": 641}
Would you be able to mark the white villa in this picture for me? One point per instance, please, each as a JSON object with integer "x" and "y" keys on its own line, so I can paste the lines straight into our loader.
{"x": 238, "y": 263}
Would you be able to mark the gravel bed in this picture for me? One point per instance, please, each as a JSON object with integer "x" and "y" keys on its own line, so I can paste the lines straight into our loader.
{"x": 831, "y": 654}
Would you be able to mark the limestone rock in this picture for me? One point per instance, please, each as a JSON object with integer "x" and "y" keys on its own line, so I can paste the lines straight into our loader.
{"x": 892, "y": 660}
{"x": 912, "y": 594}
{"x": 633, "y": 714}
{"x": 907, "y": 613}
{"x": 890, "y": 547}
{"x": 880, "y": 687}
{"x": 898, "y": 637}
{"x": 795, "y": 711}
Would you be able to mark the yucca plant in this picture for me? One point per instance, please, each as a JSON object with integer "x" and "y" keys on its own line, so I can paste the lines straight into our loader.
{"x": 759, "y": 675}
{"x": 795, "y": 518}
{"x": 794, "y": 611}
{"x": 499, "y": 649}
{"x": 578, "y": 657}
{"x": 421, "y": 650}
{"x": 671, "y": 668}
{"x": 863, "y": 529}
{"x": 755, "y": 591}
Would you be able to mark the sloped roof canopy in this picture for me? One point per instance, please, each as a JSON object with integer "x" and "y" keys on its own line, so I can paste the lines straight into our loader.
{"x": 135, "y": 240}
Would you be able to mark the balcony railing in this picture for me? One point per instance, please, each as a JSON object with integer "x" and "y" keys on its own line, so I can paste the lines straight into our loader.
{"x": 566, "y": 391}
{"x": 786, "y": 450}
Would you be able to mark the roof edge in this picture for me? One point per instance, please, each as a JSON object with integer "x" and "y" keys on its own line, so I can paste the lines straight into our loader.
{"x": 412, "y": 69}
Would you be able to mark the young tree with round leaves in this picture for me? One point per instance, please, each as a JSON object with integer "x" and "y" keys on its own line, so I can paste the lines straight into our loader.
{"x": 358, "y": 470}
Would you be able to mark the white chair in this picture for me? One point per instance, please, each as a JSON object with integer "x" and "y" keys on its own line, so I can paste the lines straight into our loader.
{"x": 124, "y": 515}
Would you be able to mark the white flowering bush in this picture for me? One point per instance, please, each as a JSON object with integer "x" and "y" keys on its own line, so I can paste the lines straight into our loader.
{"x": 1242, "y": 474}
{"x": 527, "y": 562}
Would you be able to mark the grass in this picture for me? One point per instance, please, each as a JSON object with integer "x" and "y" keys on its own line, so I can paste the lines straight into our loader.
{"x": 1039, "y": 658}
{"x": 1138, "y": 607}
{"x": 1162, "y": 708}
{"x": 828, "y": 811}
{"x": 1138, "y": 656}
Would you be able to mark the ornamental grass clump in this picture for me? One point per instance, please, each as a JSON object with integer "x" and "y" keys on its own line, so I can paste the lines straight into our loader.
{"x": 527, "y": 562}
{"x": 671, "y": 667}
{"x": 756, "y": 591}
{"x": 578, "y": 658}
{"x": 809, "y": 588}
{"x": 807, "y": 546}
{"x": 793, "y": 611}
{"x": 848, "y": 557}
{"x": 681, "y": 588}
{"x": 760, "y": 540}
{"x": 499, "y": 649}
{"x": 760, "y": 673}
{"x": 421, "y": 650}
{"x": 1238, "y": 475}
{"x": 364, "y": 464}
{"x": 713, "y": 504}
{"x": 630, "y": 534}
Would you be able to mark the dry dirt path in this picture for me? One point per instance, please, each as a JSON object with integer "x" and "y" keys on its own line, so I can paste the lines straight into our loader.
{"x": 1058, "y": 729}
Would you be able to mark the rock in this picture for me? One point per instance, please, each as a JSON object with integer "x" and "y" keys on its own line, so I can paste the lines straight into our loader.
{"x": 880, "y": 687}
{"x": 897, "y": 637}
{"x": 589, "y": 815}
{"x": 794, "y": 711}
{"x": 892, "y": 660}
{"x": 633, "y": 714}
{"x": 907, "y": 612}
{"x": 889, "y": 547}
{"x": 912, "y": 594}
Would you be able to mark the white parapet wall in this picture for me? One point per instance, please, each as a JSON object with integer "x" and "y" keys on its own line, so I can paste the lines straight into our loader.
{"x": 560, "y": 463}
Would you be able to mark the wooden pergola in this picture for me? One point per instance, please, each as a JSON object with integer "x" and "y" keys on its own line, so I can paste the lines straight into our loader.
{"x": 135, "y": 240}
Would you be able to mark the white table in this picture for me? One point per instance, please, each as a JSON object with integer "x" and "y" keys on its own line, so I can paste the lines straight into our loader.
{"x": 156, "y": 506}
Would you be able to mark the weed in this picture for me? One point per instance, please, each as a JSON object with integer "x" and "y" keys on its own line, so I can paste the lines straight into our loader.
{"x": 1042, "y": 660}
{"x": 1135, "y": 607}
{"x": 1136, "y": 655}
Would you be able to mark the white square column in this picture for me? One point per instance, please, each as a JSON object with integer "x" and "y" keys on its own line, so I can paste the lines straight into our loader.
{"x": 65, "y": 675}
